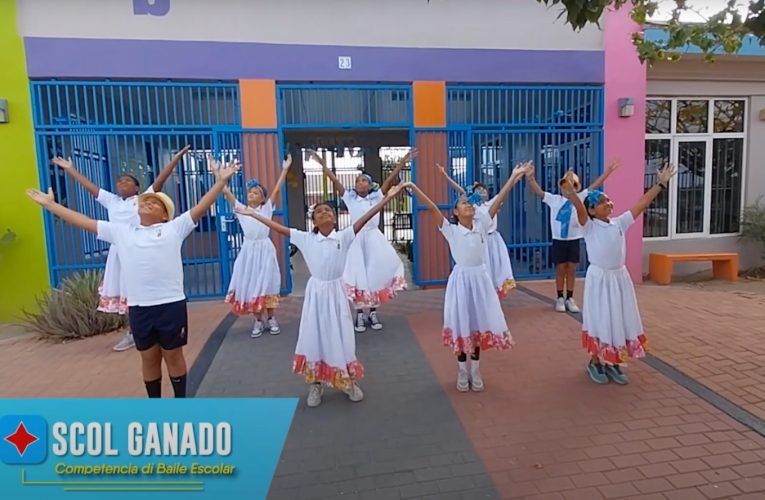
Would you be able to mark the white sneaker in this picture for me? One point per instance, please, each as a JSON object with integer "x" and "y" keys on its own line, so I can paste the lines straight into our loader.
{"x": 375, "y": 321}
{"x": 257, "y": 329}
{"x": 560, "y": 305}
{"x": 361, "y": 322}
{"x": 463, "y": 383}
{"x": 354, "y": 393}
{"x": 476, "y": 382}
{"x": 273, "y": 326}
{"x": 127, "y": 342}
{"x": 314, "y": 395}
{"x": 571, "y": 305}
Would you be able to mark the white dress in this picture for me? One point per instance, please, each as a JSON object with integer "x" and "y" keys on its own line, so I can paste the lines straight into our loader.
{"x": 497, "y": 257}
{"x": 256, "y": 278}
{"x": 611, "y": 326}
{"x": 326, "y": 346}
{"x": 374, "y": 272}
{"x": 112, "y": 291}
{"x": 473, "y": 315}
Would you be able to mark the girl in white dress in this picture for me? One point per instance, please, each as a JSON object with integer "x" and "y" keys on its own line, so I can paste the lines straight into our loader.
{"x": 326, "y": 347}
{"x": 497, "y": 258}
{"x": 374, "y": 272}
{"x": 612, "y": 331}
{"x": 121, "y": 208}
{"x": 256, "y": 278}
{"x": 473, "y": 317}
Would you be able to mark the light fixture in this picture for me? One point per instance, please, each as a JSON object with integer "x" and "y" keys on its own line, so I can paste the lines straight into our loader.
{"x": 762, "y": 115}
{"x": 626, "y": 107}
{"x": 4, "y": 111}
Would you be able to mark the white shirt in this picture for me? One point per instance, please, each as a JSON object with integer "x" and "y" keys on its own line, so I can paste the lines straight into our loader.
{"x": 121, "y": 211}
{"x": 358, "y": 206}
{"x": 325, "y": 256}
{"x": 556, "y": 202}
{"x": 252, "y": 228}
{"x": 484, "y": 207}
{"x": 150, "y": 257}
{"x": 606, "y": 245}
{"x": 467, "y": 246}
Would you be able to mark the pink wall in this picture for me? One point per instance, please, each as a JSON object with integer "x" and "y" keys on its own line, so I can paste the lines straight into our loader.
{"x": 625, "y": 76}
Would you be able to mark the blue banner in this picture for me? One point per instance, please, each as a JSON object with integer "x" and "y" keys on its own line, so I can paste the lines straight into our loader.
{"x": 173, "y": 448}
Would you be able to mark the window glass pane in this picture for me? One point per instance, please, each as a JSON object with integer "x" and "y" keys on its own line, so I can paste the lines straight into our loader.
{"x": 727, "y": 162}
{"x": 729, "y": 116}
{"x": 691, "y": 165}
{"x": 658, "y": 116}
{"x": 692, "y": 117}
{"x": 656, "y": 216}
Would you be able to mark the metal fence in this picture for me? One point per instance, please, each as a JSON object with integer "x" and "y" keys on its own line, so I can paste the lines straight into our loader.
{"x": 110, "y": 129}
{"x": 491, "y": 129}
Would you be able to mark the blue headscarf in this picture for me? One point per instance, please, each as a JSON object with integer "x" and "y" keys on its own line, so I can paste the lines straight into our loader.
{"x": 593, "y": 197}
{"x": 473, "y": 196}
{"x": 253, "y": 183}
{"x": 373, "y": 186}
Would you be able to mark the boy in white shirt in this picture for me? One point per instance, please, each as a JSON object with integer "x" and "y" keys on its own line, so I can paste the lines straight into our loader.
{"x": 566, "y": 233}
{"x": 151, "y": 257}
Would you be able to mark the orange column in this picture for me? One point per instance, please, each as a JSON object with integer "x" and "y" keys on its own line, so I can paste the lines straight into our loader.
{"x": 429, "y": 99}
{"x": 258, "y": 102}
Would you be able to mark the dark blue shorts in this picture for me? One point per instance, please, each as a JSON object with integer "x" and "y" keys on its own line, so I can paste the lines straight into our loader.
{"x": 565, "y": 251}
{"x": 163, "y": 324}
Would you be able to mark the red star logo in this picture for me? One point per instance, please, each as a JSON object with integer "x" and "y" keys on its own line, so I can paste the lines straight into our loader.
{"x": 21, "y": 439}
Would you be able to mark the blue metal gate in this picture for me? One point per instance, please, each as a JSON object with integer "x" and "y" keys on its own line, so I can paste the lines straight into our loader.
{"x": 110, "y": 128}
{"x": 491, "y": 129}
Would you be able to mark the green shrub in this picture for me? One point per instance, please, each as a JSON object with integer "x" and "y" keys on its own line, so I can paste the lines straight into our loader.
{"x": 70, "y": 311}
{"x": 753, "y": 225}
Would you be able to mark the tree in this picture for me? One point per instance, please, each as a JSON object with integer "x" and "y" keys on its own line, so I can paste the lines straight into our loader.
{"x": 721, "y": 31}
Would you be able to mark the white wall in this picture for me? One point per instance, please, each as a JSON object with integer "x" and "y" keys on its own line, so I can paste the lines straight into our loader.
{"x": 499, "y": 24}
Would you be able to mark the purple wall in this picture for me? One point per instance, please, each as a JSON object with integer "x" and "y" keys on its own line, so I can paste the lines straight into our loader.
{"x": 97, "y": 58}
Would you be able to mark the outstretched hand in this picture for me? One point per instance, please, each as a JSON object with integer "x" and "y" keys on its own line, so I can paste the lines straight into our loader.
{"x": 522, "y": 169}
{"x": 180, "y": 154}
{"x": 42, "y": 199}
{"x": 287, "y": 162}
{"x": 411, "y": 155}
{"x": 396, "y": 190}
{"x": 244, "y": 210}
{"x": 315, "y": 157}
{"x": 227, "y": 171}
{"x": 612, "y": 166}
{"x": 666, "y": 173}
{"x": 62, "y": 163}
{"x": 441, "y": 169}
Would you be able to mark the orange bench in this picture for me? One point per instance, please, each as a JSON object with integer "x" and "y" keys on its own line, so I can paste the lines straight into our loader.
{"x": 724, "y": 265}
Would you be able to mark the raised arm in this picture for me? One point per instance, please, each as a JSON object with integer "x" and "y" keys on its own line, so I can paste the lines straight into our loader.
{"x": 48, "y": 202}
{"x": 428, "y": 203}
{"x": 359, "y": 224}
{"x": 168, "y": 169}
{"x": 567, "y": 190}
{"x": 533, "y": 184}
{"x": 212, "y": 166}
{"x": 335, "y": 182}
{"x": 606, "y": 173}
{"x": 282, "y": 177}
{"x": 518, "y": 173}
{"x": 665, "y": 174}
{"x": 451, "y": 181}
{"x": 222, "y": 175}
{"x": 283, "y": 230}
{"x": 388, "y": 182}
{"x": 66, "y": 166}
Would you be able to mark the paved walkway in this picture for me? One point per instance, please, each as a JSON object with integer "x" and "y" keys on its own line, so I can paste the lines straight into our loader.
{"x": 541, "y": 430}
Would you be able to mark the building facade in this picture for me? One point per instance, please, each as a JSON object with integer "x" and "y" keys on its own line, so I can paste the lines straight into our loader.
{"x": 709, "y": 120}
{"x": 120, "y": 85}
